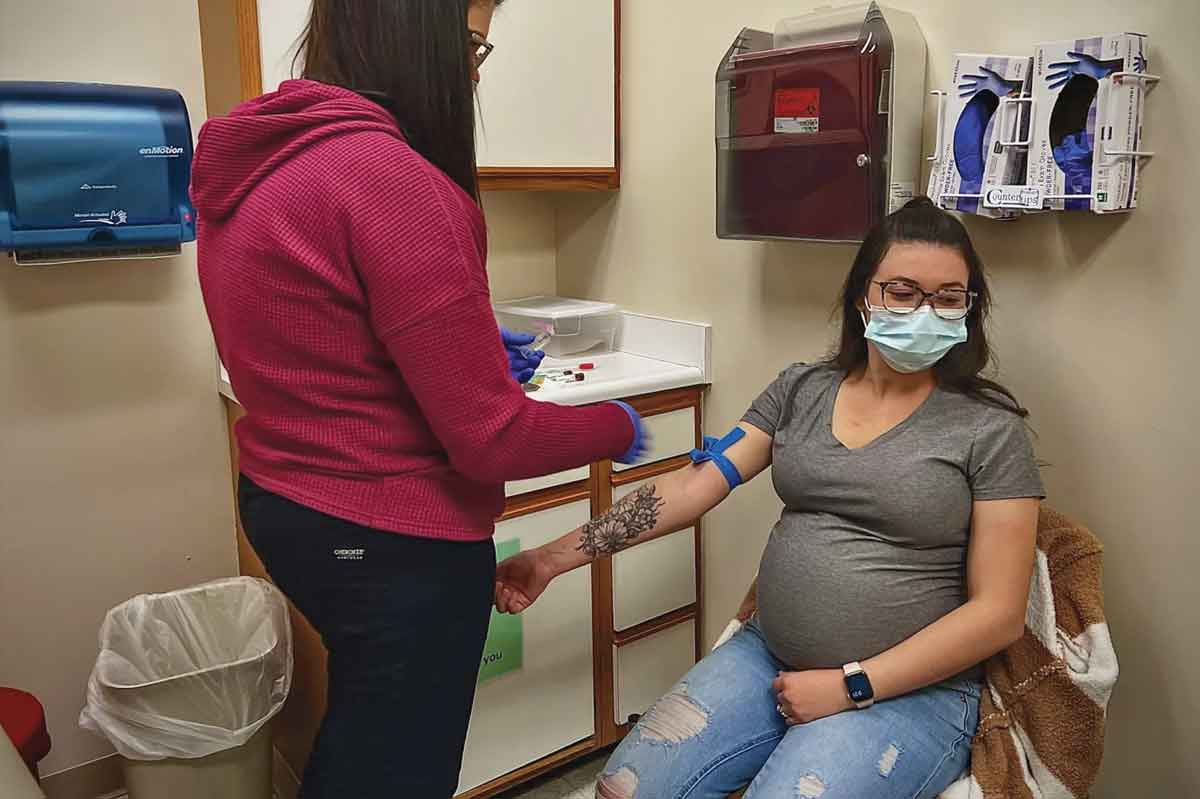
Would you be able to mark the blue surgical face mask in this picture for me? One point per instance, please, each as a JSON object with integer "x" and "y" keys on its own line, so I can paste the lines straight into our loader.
{"x": 914, "y": 341}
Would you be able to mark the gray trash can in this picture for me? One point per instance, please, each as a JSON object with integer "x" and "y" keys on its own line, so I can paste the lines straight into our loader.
{"x": 185, "y": 685}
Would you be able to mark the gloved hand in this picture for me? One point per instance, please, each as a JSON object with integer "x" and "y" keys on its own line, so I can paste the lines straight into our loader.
{"x": 969, "y": 137}
{"x": 1063, "y": 71}
{"x": 1074, "y": 158}
{"x": 641, "y": 437}
{"x": 522, "y": 361}
{"x": 990, "y": 81}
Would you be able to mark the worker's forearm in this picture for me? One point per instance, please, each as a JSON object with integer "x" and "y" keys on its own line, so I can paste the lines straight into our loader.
{"x": 670, "y": 503}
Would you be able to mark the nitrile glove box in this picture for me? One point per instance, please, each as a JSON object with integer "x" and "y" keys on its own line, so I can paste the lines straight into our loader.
{"x": 981, "y": 126}
{"x": 1088, "y": 104}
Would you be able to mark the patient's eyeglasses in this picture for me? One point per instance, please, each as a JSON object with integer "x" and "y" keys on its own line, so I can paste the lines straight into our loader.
{"x": 902, "y": 297}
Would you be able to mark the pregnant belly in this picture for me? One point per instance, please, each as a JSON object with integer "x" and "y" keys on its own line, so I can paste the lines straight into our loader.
{"x": 828, "y": 600}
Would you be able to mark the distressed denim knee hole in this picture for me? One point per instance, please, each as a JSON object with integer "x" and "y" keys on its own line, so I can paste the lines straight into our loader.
{"x": 622, "y": 784}
{"x": 810, "y": 787}
{"x": 887, "y": 761}
{"x": 674, "y": 719}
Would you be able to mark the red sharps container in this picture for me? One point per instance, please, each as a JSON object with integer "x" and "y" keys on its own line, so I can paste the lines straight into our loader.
{"x": 818, "y": 125}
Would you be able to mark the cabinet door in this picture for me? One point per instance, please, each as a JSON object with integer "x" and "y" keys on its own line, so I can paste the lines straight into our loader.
{"x": 519, "y": 487}
{"x": 653, "y": 578}
{"x": 548, "y": 90}
{"x": 548, "y": 703}
{"x": 649, "y": 668}
{"x": 280, "y": 25}
{"x": 672, "y": 434}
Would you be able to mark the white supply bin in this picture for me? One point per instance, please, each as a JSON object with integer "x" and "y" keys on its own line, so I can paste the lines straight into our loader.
{"x": 577, "y": 325}
{"x": 185, "y": 685}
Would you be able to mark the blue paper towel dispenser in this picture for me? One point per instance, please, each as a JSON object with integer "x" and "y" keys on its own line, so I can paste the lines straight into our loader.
{"x": 93, "y": 172}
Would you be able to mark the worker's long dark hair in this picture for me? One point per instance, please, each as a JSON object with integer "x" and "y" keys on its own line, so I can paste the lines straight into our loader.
{"x": 920, "y": 221}
{"x": 415, "y": 57}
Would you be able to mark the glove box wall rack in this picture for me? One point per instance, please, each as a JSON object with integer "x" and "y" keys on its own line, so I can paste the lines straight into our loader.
{"x": 1027, "y": 197}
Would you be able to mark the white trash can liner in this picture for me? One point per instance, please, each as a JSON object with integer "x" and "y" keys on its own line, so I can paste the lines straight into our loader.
{"x": 192, "y": 672}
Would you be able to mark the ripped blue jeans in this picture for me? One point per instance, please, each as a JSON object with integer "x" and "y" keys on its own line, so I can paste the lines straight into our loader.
{"x": 718, "y": 730}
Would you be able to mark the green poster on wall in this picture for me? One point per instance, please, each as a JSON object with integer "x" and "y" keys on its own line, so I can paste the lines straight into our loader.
{"x": 505, "y": 647}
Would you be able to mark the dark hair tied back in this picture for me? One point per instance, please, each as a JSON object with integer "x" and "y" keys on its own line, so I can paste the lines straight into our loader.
{"x": 412, "y": 56}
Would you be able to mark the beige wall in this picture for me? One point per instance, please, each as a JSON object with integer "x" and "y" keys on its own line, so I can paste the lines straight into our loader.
{"x": 113, "y": 461}
{"x": 1092, "y": 324}
{"x": 521, "y": 247}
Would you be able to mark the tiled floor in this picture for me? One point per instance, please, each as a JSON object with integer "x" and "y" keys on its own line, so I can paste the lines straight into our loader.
{"x": 577, "y": 781}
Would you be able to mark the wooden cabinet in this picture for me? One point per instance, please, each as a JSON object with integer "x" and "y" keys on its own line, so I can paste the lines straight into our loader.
{"x": 556, "y": 672}
{"x": 648, "y": 667}
{"x": 519, "y": 487}
{"x": 602, "y": 644}
{"x": 549, "y": 97}
{"x": 672, "y": 434}
{"x": 644, "y": 606}
{"x": 655, "y": 578}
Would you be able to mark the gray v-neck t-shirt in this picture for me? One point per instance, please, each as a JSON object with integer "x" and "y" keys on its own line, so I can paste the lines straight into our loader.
{"x": 872, "y": 544}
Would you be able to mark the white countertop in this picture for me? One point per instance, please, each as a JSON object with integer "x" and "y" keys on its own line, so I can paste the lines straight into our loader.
{"x": 617, "y": 375}
{"x": 652, "y": 354}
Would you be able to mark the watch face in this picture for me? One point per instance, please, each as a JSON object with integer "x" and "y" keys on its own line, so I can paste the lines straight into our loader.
{"x": 859, "y": 688}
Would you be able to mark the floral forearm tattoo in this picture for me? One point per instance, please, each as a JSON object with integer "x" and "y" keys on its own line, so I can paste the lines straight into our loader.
{"x": 629, "y": 518}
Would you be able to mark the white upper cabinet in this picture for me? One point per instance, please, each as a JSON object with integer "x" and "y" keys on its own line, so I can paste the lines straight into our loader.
{"x": 548, "y": 94}
{"x": 547, "y": 99}
{"x": 280, "y": 24}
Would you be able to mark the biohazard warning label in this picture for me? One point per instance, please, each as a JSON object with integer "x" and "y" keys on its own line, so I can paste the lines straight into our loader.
{"x": 797, "y": 110}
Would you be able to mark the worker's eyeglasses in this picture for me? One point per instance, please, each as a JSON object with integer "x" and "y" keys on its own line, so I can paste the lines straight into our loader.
{"x": 482, "y": 48}
{"x": 901, "y": 297}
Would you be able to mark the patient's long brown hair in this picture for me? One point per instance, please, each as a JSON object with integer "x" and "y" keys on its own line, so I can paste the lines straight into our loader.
{"x": 920, "y": 221}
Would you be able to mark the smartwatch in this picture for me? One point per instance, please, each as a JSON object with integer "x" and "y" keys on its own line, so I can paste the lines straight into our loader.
{"x": 858, "y": 686}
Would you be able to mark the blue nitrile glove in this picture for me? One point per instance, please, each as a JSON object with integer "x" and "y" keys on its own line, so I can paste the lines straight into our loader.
{"x": 1061, "y": 72}
{"x": 641, "y": 436}
{"x": 969, "y": 135}
{"x": 522, "y": 361}
{"x": 1074, "y": 158}
{"x": 990, "y": 81}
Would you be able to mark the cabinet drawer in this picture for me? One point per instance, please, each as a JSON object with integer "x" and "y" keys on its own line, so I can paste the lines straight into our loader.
{"x": 674, "y": 433}
{"x": 548, "y": 704}
{"x": 653, "y": 578}
{"x": 647, "y": 669}
{"x": 518, "y": 487}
